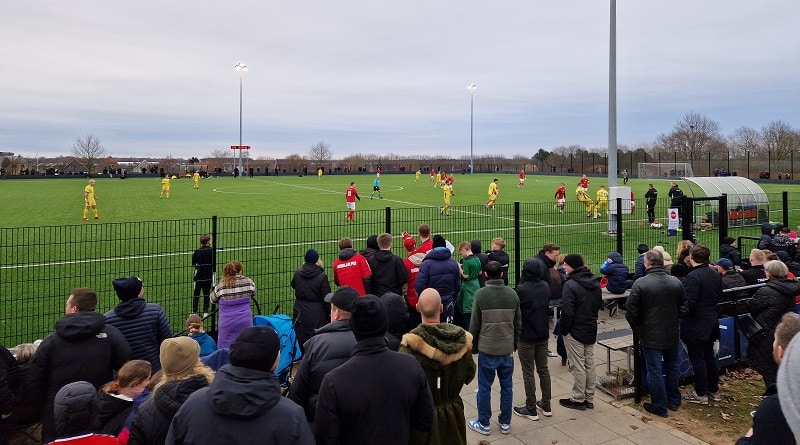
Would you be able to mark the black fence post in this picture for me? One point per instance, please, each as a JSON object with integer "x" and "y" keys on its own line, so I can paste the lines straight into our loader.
{"x": 517, "y": 244}
{"x": 722, "y": 208}
{"x": 215, "y": 241}
{"x": 785, "y": 202}
{"x": 388, "y": 219}
{"x": 618, "y": 227}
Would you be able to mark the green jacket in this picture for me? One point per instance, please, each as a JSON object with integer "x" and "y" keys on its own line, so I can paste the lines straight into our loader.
{"x": 470, "y": 266}
{"x": 496, "y": 319}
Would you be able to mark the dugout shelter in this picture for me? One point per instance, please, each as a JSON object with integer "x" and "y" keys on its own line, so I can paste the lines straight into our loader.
{"x": 747, "y": 204}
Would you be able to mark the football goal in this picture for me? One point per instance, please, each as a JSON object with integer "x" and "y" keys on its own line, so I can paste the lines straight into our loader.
{"x": 665, "y": 170}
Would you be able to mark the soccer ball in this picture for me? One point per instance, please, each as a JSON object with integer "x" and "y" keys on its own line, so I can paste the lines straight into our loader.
{"x": 656, "y": 225}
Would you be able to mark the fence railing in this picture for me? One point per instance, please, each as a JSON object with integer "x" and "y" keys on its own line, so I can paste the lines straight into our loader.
{"x": 40, "y": 265}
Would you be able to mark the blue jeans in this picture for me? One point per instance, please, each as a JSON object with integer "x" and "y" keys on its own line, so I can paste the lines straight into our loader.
{"x": 488, "y": 365}
{"x": 663, "y": 393}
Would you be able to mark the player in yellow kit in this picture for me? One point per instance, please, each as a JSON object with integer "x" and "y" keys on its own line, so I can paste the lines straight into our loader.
{"x": 90, "y": 200}
{"x": 196, "y": 179}
{"x": 165, "y": 186}
{"x": 602, "y": 201}
{"x": 416, "y": 175}
{"x": 319, "y": 174}
{"x": 448, "y": 192}
{"x": 584, "y": 198}
{"x": 493, "y": 192}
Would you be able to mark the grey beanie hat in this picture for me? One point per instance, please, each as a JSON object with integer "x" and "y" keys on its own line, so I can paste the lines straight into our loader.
{"x": 789, "y": 385}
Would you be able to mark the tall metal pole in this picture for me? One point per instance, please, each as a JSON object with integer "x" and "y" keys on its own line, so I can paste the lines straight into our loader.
{"x": 471, "y": 87}
{"x": 241, "y": 68}
{"x": 611, "y": 160}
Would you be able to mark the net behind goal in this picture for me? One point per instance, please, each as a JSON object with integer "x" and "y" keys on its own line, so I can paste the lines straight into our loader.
{"x": 665, "y": 170}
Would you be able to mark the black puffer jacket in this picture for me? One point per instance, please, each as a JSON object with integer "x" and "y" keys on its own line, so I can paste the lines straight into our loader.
{"x": 109, "y": 413}
{"x": 534, "y": 298}
{"x": 144, "y": 325}
{"x": 154, "y": 415}
{"x": 767, "y": 306}
{"x": 83, "y": 347}
{"x": 581, "y": 300}
{"x": 389, "y": 273}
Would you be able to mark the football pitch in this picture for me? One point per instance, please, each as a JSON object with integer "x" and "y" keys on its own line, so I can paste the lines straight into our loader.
{"x": 267, "y": 223}
{"x": 53, "y": 202}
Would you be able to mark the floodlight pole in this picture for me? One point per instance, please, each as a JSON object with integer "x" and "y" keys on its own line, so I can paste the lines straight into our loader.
{"x": 611, "y": 163}
{"x": 471, "y": 87}
{"x": 241, "y": 68}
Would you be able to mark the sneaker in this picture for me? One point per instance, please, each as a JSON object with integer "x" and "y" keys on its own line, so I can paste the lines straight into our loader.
{"x": 551, "y": 353}
{"x": 715, "y": 396}
{"x": 563, "y": 361}
{"x": 523, "y": 411}
{"x": 569, "y": 403}
{"x": 612, "y": 311}
{"x": 673, "y": 407}
{"x": 545, "y": 409}
{"x": 505, "y": 428}
{"x": 589, "y": 405}
{"x": 477, "y": 426}
{"x": 692, "y": 396}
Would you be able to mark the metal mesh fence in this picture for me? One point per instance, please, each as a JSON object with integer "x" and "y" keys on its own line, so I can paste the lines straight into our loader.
{"x": 40, "y": 265}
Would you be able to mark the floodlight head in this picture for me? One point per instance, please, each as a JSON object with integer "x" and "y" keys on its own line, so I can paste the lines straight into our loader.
{"x": 240, "y": 67}
{"x": 471, "y": 87}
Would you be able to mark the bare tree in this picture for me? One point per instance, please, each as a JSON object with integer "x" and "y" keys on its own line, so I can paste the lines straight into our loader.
{"x": 778, "y": 138}
{"x": 320, "y": 153}
{"x": 88, "y": 150}
{"x": 691, "y": 136}
{"x": 170, "y": 165}
{"x": 745, "y": 139}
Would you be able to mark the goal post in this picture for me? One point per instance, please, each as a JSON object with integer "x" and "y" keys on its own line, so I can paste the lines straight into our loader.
{"x": 665, "y": 170}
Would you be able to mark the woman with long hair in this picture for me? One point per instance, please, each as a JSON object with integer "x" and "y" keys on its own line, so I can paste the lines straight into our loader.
{"x": 114, "y": 402}
{"x": 233, "y": 295}
{"x": 182, "y": 373}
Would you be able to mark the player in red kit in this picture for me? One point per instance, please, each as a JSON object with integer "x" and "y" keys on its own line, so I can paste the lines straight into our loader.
{"x": 521, "y": 178}
{"x": 584, "y": 182}
{"x": 561, "y": 198}
{"x": 350, "y": 197}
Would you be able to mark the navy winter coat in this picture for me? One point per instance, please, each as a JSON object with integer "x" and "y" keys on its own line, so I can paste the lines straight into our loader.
{"x": 617, "y": 273}
{"x": 439, "y": 271}
{"x": 144, "y": 325}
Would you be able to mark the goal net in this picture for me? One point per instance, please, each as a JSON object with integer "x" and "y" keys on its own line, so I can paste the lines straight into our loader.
{"x": 665, "y": 170}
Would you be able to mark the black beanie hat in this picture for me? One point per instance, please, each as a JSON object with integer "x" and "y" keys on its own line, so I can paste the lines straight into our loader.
{"x": 368, "y": 318}
{"x": 311, "y": 256}
{"x": 255, "y": 348}
{"x": 127, "y": 288}
{"x": 439, "y": 241}
{"x": 574, "y": 260}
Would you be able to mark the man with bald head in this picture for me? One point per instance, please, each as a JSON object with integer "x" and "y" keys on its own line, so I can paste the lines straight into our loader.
{"x": 445, "y": 352}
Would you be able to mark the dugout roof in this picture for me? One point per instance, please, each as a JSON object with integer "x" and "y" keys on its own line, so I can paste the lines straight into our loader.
{"x": 742, "y": 192}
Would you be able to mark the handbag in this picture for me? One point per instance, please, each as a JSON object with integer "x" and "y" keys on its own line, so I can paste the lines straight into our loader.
{"x": 749, "y": 326}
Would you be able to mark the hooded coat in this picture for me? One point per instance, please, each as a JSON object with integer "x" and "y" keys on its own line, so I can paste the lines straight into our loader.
{"x": 144, "y": 325}
{"x": 445, "y": 352}
{"x": 765, "y": 242}
{"x": 109, "y": 413}
{"x": 351, "y": 269}
{"x": 581, "y": 301}
{"x": 310, "y": 286}
{"x": 767, "y": 306}
{"x": 73, "y": 413}
{"x": 412, "y": 263}
{"x": 439, "y": 271}
{"x": 617, "y": 273}
{"x": 389, "y": 274}
{"x": 731, "y": 253}
{"x": 534, "y": 303}
{"x": 83, "y": 347}
{"x": 242, "y": 406}
{"x": 153, "y": 417}
{"x": 653, "y": 307}
{"x": 371, "y": 410}
{"x": 501, "y": 257}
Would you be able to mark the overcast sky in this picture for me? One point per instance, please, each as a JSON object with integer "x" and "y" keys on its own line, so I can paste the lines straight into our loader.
{"x": 156, "y": 78}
